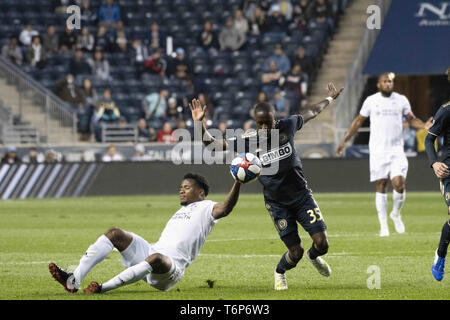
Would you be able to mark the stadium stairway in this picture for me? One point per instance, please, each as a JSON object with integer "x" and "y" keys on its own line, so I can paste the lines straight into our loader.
{"x": 336, "y": 63}
{"x": 33, "y": 114}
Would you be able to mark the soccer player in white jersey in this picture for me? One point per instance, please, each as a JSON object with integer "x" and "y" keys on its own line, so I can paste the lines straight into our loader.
{"x": 386, "y": 110}
{"x": 161, "y": 264}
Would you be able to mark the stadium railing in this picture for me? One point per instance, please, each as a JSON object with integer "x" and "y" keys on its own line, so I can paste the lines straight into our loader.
{"x": 119, "y": 133}
{"x": 356, "y": 80}
{"x": 50, "y": 105}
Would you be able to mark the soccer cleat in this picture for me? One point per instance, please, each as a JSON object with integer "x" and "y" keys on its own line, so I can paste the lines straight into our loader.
{"x": 384, "y": 232}
{"x": 438, "y": 267}
{"x": 280, "y": 281}
{"x": 93, "y": 287}
{"x": 64, "y": 278}
{"x": 321, "y": 265}
{"x": 398, "y": 223}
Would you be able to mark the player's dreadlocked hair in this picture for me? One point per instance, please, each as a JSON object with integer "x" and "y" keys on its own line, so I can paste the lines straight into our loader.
{"x": 200, "y": 180}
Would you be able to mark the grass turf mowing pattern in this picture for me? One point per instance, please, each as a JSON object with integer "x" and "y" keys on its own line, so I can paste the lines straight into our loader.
{"x": 239, "y": 256}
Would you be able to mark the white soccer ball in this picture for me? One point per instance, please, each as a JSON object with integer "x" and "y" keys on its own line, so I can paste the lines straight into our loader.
{"x": 246, "y": 167}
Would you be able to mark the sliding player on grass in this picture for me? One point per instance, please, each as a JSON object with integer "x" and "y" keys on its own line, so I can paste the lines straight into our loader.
{"x": 161, "y": 264}
{"x": 441, "y": 127}
{"x": 286, "y": 192}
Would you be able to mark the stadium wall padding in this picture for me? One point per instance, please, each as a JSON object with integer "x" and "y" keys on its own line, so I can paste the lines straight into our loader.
{"x": 25, "y": 181}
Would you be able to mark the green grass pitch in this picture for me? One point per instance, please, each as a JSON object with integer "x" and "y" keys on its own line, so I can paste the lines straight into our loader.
{"x": 239, "y": 256}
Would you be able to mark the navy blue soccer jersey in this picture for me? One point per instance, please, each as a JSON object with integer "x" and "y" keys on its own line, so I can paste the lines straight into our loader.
{"x": 287, "y": 183}
{"x": 441, "y": 127}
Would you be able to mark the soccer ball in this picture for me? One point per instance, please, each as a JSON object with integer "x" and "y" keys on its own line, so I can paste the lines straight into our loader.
{"x": 246, "y": 167}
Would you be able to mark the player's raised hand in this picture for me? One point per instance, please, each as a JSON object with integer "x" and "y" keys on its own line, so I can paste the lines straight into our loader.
{"x": 332, "y": 91}
{"x": 340, "y": 149}
{"x": 198, "y": 111}
{"x": 441, "y": 170}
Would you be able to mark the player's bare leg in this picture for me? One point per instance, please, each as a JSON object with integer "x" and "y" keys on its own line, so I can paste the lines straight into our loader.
{"x": 398, "y": 197}
{"x": 381, "y": 204}
{"x": 156, "y": 263}
{"x": 318, "y": 249}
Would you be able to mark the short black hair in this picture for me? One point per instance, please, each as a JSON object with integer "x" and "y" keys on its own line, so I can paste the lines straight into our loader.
{"x": 263, "y": 107}
{"x": 200, "y": 180}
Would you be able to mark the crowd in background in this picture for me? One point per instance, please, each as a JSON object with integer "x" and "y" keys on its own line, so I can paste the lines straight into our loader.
{"x": 284, "y": 79}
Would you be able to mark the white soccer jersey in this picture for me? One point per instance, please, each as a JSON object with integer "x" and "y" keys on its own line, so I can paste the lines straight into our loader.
{"x": 186, "y": 232}
{"x": 386, "y": 125}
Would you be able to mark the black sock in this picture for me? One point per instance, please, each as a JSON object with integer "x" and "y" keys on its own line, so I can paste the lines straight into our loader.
{"x": 445, "y": 239}
{"x": 284, "y": 264}
{"x": 313, "y": 253}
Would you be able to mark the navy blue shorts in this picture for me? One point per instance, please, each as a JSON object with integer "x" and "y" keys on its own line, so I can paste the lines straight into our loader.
{"x": 445, "y": 190}
{"x": 304, "y": 211}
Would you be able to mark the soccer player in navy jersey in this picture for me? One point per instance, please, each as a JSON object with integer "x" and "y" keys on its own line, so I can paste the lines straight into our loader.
{"x": 441, "y": 127}
{"x": 286, "y": 193}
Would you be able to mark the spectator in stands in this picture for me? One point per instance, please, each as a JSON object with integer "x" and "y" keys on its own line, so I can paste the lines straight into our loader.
{"x": 144, "y": 134}
{"x": 12, "y": 52}
{"x": 50, "y": 41}
{"x": 208, "y": 38}
{"x": 156, "y": 38}
{"x": 85, "y": 110}
{"x": 249, "y": 7}
{"x": 276, "y": 23}
{"x": 156, "y": 64}
{"x": 108, "y": 112}
{"x": 181, "y": 124}
{"x": 281, "y": 104}
{"x": 139, "y": 52}
{"x": 322, "y": 12}
{"x": 285, "y": 8}
{"x": 281, "y": 60}
{"x": 67, "y": 40}
{"x": 222, "y": 126}
{"x": 155, "y": 104}
{"x": 109, "y": 14}
{"x": 112, "y": 155}
{"x": 240, "y": 23}
{"x": 174, "y": 112}
{"x": 33, "y": 156}
{"x": 230, "y": 38}
{"x": 88, "y": 16}
{"x": 103, "y": 39}
{"x": 248, "y": 125}
{"x": 85, "y": 40}
{"x": 99, "y": 65}
{"x": 166, "y": 134}
{"x": 206, "y": 101}
{"x": 89, "y": 93}
{"x": 68, "y": 92}
{"x": 271, "y": 78}
{"x": 179, "y": 67}
{"x": 11, "y": 156}
{"x": 50, "y": 156}
{"x": 78, "y": 64}
{"x": 139, "y": 154}
{"x": 295, "y": 86}
{"x": 61, "y": 5}
{"x": 304, "y": 61}
{"x": 265, "y": 6}
{"x": 257, "y": 23}
{"x": 301, "y": 14}
{"x": 27, "y": 34}
{"x": 121, "y": 38}
{"x": 36, "y": 53}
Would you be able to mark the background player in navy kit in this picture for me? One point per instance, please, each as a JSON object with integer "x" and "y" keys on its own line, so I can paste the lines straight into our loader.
{"x": 286, "y": 192}
{"x": 441, "y": 127}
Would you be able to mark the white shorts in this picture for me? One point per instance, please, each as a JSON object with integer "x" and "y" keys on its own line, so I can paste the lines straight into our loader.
{"x": 383, "y": 166}
{"x": 138, "y": 250}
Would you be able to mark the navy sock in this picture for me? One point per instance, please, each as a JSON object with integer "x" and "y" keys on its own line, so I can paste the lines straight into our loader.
{"x": 445, "y": 239}
{"x": 313, "y": 253}
{"x": 284, "y": 264}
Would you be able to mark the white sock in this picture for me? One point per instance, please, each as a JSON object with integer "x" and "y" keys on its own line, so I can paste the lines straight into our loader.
{"x": 96, "y": 253}
{"x": 381, "y": 203}
{"x": 128, "y": 276}
{"x": 399, "y": 200}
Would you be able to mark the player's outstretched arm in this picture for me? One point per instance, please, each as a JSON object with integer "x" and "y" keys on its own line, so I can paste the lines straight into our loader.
{"x": 222, "y": 209}
{"x": 198, "y": 115}
{"x": 356, "y": 124}
{"x": 311, "y": 111}
{"x": 440, "y": 169}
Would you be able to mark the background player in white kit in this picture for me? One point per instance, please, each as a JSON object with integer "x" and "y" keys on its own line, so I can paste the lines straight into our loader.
{"x": 386, "y": 110}
{"x": 161, "y": 264}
